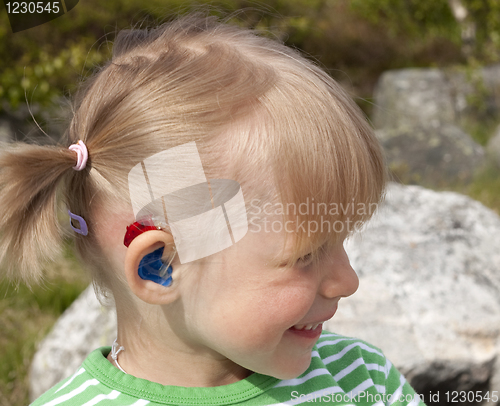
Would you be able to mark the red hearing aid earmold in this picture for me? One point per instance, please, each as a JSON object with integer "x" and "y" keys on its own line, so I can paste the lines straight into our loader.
{"x": 136, "y": 229}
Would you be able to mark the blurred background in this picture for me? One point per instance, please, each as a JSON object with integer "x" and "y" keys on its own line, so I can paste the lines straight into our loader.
{"x": 356, "y": 41}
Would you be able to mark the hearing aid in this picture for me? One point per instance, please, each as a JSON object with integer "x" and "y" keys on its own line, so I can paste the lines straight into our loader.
{"x": 151, "y": 267}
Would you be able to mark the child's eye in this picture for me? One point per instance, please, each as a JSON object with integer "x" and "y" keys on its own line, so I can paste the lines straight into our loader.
{"x": 301, "y": 262}
{"x": 305, "y": 259}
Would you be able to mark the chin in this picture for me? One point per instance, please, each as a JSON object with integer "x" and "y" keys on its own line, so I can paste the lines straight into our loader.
{"x": 291, "y": 370}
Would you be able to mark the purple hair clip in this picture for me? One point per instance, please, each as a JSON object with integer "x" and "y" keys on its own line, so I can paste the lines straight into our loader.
{"x": 83, "y": 230}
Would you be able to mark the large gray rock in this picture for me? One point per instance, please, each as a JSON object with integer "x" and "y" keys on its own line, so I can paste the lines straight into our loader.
{"x": 432, "y": 97}
{"x": 20, "y": 124}
{"x": 420, "y": 115}
{"x": 413, "y": 97}
{"x": 6, "y": 133}
{"x": 83, "y": 327}
{"x": 431, "y": 156}
{"x": 429, "y": 296}
{"x": 493, "y": 148}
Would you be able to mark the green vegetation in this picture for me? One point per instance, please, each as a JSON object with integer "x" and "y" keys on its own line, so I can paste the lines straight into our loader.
{"x": 355, "y": 40}
{"x": 26, "y": 316}
{"x": 484, "y": 14}
{"x": 485, "y": 187}
{"x": 349, "y": 38}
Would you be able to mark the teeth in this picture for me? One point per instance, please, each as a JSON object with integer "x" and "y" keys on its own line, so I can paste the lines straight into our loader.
{"x": 306, "y": 326}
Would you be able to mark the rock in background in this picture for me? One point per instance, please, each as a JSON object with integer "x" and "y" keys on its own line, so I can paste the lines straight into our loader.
{"x": 19, "y": 125}
{"x": 413, "y": 97}
{"x": 83, "y": 327}
{"x": 429, "y": 155}
{"x": 493, "y": 148}
{"x": 420, "y": 116}
{"x": 429, "y": 297}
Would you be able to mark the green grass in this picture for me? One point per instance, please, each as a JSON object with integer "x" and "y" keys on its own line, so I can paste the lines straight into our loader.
{"x": 482, "y": 128}
{"x": 26, "y": 316}
{"x": 486, "y": 187}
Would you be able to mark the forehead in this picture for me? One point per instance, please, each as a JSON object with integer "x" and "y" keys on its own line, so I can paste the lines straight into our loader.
{"x": 270, "y": 237}
{"x": 297, "y": 229}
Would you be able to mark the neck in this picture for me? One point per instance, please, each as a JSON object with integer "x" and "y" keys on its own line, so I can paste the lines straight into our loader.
{"x": 176, "y": 364}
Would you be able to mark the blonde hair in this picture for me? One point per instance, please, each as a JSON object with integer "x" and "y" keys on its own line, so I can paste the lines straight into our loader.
{"x": 260, "y": 113}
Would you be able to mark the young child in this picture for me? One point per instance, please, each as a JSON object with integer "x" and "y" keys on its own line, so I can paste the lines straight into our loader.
{"x": 205, "y": 165}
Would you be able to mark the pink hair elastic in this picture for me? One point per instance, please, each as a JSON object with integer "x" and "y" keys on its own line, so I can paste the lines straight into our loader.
{"x": 82, "y": 155}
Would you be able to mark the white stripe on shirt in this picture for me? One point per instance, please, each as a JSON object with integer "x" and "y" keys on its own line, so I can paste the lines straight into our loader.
{"x": 79, "y": 372}
{"x": 73, "y": 393}
{"x": 113, "y": 395}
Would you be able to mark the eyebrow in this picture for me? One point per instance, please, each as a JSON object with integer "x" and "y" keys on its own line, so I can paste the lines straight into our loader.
{"x": 283, "y": 260}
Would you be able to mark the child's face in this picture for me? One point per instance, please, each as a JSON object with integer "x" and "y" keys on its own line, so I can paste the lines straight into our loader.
{"x": 244, "y": 310}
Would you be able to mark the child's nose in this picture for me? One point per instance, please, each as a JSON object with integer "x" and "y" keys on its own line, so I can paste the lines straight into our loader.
{"x": 340, "y": 279}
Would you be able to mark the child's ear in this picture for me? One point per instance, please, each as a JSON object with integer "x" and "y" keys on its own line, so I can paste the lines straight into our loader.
{"x": 149, "y": 282}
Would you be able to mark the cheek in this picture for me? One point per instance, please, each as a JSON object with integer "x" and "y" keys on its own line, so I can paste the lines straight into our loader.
{"x": 260, "y": 318}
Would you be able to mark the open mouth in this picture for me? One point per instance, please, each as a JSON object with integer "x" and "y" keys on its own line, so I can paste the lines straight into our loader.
{"x": 307, "y": 330}
{"x": 312, "y": 330}
{"x": 306, "y": 326}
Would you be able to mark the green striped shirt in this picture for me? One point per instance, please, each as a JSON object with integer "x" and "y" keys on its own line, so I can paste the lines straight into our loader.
{"x": 343, "y": 371}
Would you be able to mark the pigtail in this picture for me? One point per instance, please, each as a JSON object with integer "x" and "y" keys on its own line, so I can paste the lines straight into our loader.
{"x": 30, "y": 232}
